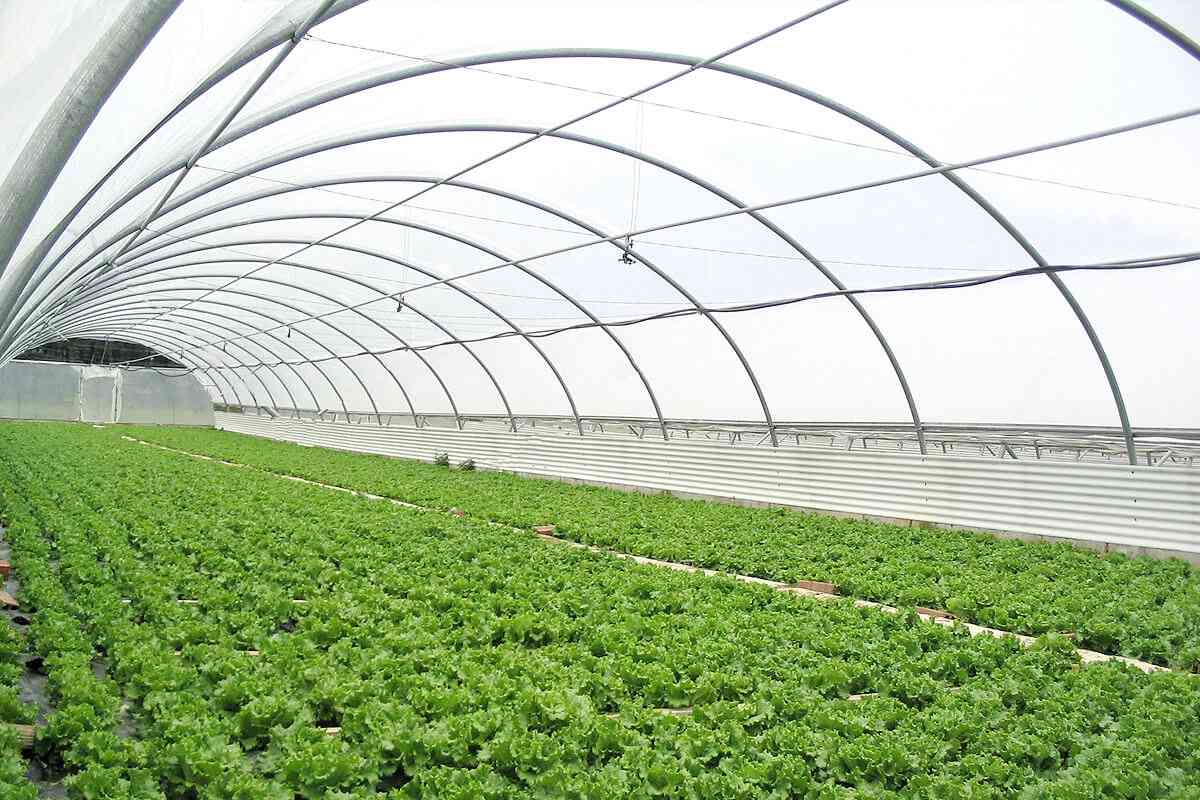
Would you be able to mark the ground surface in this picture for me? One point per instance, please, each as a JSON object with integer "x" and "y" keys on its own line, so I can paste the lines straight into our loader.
{"x": 220, "y": 633}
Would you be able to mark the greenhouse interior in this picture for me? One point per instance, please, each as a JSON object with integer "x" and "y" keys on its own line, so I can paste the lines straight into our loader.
{"x": 562, "y": 401}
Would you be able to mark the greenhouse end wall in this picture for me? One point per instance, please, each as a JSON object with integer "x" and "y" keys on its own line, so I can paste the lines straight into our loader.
{"x": 1136, "y": 510}
{"x": 84, "y": 393}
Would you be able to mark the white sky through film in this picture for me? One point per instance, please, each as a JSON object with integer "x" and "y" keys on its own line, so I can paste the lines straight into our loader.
{"x": 959, "y": 78}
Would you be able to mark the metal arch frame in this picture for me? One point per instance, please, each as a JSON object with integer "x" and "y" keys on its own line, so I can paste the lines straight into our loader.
{"x": 280, "y": 323}
{"x": 288, "y": 45}
{"x": 1158, "y": 25}
{"x": 666, "y": 166}
{"x": 107, "y": 302}
{"x": 442, "y": 233}
{"x": 383, "y": 295}
{"x": 333, "y": 356}
{"x": 115, "y": 316}
{"x": 73, "y": 324}
{"x": 89, "y": 328}
{"x": 199, "y": 316}
{"x": 1164, "y": 30}
{"x": 92, "y": 289}
{"x": 321, "y": 147}
{"x": 549, "y": 362}
{"x": 562, "y": 215}
{"x": 289, "y": 108}
{"x": 353, "y": 139}
{"x": 439, "y": 232}
{"x": 357, "y": 312}
{"x": 102, "y": 299}
{"x": 264, "y": 118}
{"x": 275, "y": 31}
{"x": 127, "y": 299}
{"x": 127, "y": 278}
{"x": 199, "y": 364}
{"x": 447, "y": 235}
{"x": 646, "y": 262}
{"x": 642, "y": 259}
{"x": 172, "y": 343}
{"x": 347, "y": 141}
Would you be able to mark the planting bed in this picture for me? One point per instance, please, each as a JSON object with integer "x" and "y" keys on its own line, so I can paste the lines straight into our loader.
{"x": 219, "y": 633}
{"x": 1142, "y": 608}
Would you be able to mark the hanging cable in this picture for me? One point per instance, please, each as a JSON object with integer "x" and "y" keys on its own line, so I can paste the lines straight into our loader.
{"x": 951, "y": 284}
{"x": 638, "y": 135}
{"x": 407, "y": 259}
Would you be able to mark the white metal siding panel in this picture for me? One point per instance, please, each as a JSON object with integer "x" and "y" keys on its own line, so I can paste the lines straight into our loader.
{"x": 1134, "y": 507}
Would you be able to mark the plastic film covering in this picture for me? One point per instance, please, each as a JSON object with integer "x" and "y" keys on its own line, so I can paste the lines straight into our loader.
{"x": 39, "y": 391}
{"x": 913, "y": 214}
{"x": 97, "y": 394}
{"x": 83, "y": 393}
{"x": 163, "y": 397}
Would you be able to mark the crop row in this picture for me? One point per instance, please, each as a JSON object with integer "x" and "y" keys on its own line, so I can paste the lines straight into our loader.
{"x": 1143, "y": 608}
{"x": 13, "y": 711}
{"x": 205, "y": 630}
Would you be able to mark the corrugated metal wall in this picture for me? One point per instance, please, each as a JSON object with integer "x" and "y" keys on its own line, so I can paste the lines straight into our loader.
{"x": 1136, "y": 509}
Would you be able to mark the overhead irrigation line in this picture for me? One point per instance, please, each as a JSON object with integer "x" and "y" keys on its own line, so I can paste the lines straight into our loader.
{"x": 178, "y": 238}
{"x": 132, "y": 274}
{"x": 752, "y": 123}
{"x": 576, "y": 232}
{"x": 944, "y": 168}
{"x": 950, "y": 283}
{"x": 1143, "y": 263}
{"x": 540, "y": 134}
{"x": 638, "y": 140}
{"x": 482, "y": 320}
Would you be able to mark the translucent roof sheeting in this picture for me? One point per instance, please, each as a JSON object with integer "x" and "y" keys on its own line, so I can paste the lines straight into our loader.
{"x": 541, "y": 209}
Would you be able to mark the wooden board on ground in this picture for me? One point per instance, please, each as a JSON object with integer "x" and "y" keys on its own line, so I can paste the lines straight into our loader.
{"x": 935, "y": 613}
{"x": 26, "y": 733}
{"x": 824, "y": 587}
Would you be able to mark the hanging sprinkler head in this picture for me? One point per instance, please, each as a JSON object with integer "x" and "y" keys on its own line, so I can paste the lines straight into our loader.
{"x": 627, "y": 251}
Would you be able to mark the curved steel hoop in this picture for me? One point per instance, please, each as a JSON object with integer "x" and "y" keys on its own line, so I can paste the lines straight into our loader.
{"x": 291, "y": 106}
{"x": 214, "y": 320}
